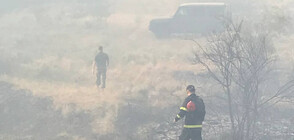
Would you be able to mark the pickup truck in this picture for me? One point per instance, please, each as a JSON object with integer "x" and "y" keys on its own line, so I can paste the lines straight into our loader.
{"x": 191, "y": 18}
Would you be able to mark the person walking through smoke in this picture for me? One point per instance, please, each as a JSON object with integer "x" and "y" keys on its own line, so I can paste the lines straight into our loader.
{"x": 101, "y": 62}
{"x": 193, "y": 109}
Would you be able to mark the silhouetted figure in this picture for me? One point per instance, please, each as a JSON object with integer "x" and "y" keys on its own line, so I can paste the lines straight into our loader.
{"x": 193, "y": 109}
{"x": 101, "y": 62}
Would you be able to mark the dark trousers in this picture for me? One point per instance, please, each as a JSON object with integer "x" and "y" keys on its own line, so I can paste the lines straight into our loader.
{"x": 101, "y": 77}
{"x": 191, "y": 134}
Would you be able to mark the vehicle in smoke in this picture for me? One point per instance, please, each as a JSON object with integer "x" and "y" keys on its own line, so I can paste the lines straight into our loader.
{"x": 192, "y": 18}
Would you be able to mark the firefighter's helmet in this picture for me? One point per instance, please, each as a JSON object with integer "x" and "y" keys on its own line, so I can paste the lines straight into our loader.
{"x": 191, "y": 106}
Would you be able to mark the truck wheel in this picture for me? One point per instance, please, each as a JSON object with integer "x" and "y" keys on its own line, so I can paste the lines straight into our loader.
{"x": 162, "y": 35}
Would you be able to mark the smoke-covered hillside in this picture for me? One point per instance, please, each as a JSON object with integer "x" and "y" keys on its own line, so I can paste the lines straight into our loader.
{"x": 46, "y": 54}
{"x": 25, "y": 117}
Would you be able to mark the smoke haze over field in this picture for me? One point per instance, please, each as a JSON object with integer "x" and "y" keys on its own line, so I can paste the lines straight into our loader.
{"x": 47, "y": 48}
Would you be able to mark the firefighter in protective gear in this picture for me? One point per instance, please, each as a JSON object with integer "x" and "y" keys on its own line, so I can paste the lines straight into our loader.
{"x": 193, "y": 109}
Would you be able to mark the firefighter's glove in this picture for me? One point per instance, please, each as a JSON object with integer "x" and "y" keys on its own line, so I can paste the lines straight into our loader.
{"x": 176, "y": 119}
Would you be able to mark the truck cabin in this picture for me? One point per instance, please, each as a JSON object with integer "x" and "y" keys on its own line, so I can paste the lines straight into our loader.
{"x": 192, "y": 18}
{"x": 201, "y": 10}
